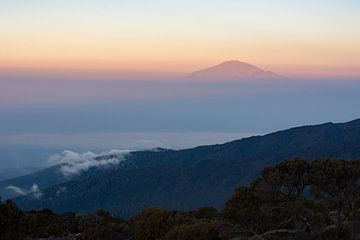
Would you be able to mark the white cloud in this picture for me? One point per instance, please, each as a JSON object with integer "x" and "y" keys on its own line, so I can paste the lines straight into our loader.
{"x": 34, "y": 191}
{"x": 76, "y": 163}
{"x": 16, "y": 189}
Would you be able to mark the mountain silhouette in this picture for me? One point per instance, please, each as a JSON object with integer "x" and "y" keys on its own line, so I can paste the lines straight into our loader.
{"x": 232, "y": 70}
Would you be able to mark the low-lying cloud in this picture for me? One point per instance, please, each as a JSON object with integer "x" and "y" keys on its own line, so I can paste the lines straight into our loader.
{"x": 34, "y": 191}
{"x": 73, "y": 163}
{"x": 16, "y": 189}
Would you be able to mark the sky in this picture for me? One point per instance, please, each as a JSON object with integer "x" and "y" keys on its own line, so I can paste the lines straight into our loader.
{"x": 93, "y": 75}
{"x": 314, "y": 38}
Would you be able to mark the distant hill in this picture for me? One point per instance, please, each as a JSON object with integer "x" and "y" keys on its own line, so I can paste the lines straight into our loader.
{"x": 232, "y": 70}
{"x": 187, "y": 179}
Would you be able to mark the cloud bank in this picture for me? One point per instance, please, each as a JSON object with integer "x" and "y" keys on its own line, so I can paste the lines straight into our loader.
{"x": 73, "y": 163}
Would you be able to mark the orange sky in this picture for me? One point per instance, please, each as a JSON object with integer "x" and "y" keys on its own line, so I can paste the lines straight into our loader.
{"x": 321, "y": 38}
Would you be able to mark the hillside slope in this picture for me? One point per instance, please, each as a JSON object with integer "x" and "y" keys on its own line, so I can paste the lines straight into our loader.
{"x": 201, "y": 176}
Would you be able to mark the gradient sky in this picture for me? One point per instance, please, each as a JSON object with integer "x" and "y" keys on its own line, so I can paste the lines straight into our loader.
{"x": 319, "y": 37}
{"x": 109, "y": 73}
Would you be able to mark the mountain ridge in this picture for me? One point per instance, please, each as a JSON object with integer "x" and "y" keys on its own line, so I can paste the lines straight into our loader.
{"x": 205, "y": 175}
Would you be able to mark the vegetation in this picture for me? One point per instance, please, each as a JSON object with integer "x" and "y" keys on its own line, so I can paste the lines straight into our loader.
{"x": 295, "y": 199}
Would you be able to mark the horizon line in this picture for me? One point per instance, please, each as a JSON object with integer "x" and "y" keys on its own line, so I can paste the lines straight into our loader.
{"x": 289, "y": 71}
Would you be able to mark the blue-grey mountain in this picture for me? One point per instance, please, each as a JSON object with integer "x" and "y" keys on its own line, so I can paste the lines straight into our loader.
{"x": 187, "y": 179}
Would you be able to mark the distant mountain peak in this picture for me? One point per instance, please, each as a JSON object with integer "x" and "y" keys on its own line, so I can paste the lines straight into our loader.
{"x": 232, "y": 69}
